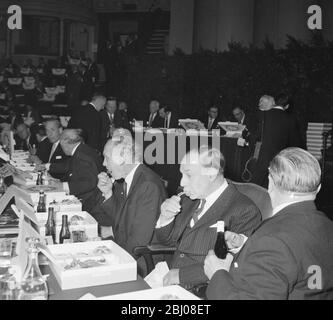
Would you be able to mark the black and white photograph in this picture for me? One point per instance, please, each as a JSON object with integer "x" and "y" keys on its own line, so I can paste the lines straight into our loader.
{"x": 158, "y": 150}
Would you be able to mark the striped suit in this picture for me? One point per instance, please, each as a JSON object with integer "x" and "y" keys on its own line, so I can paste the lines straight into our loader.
{"x": 237, "y": 211}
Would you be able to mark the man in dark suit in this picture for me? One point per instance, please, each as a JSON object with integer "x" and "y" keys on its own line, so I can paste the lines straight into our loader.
{"x": 276, "y": 131}
{"x": 88, "y": 119}
{"x": 25, "y": 140}
{"x": 169, "y": 118}
{"x": 83, "y": 168}
{"x": 289, "y": 257}
{"x": 154, "y": 119}
{"x": 50, "y": 155}
{"x": 212, "y": 119}
{"x": 44, "y": 146}
{"x": 112, "y": 119}
{"x": 210, "y": 198}
{"x": 129, "y": 209}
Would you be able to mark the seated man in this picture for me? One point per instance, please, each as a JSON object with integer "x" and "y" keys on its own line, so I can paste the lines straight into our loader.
{"x": 130, "y": 207}
{"x": 44, "y": 146}
{"x": 25, "y": 140}
{"x": 290, "y": 256}
{"x": 187, "y": 223}
{"x": 50, "y": 152}
{"x": 154, "y": 119}
{"x": 169, "y": 118}
{"x": 83, "y": 167}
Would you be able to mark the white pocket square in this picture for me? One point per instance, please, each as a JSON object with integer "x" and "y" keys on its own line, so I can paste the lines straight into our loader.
{"x": 58, "y": 157}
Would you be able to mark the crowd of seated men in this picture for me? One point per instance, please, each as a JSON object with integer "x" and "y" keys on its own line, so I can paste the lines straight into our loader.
{"x": 103, "y": 166}
{"x": 64, "y": 81}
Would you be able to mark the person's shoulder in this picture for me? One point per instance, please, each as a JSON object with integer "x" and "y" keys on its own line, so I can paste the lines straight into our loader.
{"x": 86, "y": 152}
{"x": 149, "y": 176}
{"x": 240, "y": 200}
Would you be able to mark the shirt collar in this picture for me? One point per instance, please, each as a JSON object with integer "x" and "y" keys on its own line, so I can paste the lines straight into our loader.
{"x": 210, "y": 199}
{"x": 93, "y": 105}
{"x": 75, "y": 148}
{"x": 278, "y": 108}
{"x": 130, "y": 176}
{"x": 284, "y": 205}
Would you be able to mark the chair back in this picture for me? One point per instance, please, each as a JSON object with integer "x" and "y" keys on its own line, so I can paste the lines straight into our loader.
{"x": 258, "y": 195}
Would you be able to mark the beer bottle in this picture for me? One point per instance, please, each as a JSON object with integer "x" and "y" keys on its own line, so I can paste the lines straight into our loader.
{"x": 64, "y": 232}
{"x": 221, "y": 248}
{"x": 50, "y": 227}
{"x": 41, "y": 203}
{"x": 39, "y": 181}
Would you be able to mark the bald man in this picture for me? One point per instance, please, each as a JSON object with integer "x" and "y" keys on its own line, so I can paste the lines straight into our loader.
{"x": 83, "y": 167}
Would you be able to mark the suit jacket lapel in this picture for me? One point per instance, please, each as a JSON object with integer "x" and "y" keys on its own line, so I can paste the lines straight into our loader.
{"x": 218, "y": 209}
{"x": 134, "y": 183}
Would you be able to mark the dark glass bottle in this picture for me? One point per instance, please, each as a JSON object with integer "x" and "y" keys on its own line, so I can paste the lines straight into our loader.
{"x": 221, "y": 248}
{"x": 39, "y": 181}
{"x": 41, "y": 207}
{"x": 50, "y": 227}
{"x": 64, "y": 232}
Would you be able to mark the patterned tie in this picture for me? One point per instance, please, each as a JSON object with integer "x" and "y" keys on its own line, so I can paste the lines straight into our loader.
{"x": 196, "y": 213}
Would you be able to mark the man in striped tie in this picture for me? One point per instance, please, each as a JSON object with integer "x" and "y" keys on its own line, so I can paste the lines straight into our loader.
{"x": 186, "y": 222}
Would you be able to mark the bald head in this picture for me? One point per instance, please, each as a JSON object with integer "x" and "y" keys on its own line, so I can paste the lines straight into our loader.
{"x": 69, "y": 139}
{"x": 202, "y": 172}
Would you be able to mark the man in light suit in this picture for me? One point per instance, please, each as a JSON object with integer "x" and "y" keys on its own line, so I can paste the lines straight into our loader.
{"x": 187, "y": 223}
{"x": 128, "y": 209}
{"x": 290, "y": 256}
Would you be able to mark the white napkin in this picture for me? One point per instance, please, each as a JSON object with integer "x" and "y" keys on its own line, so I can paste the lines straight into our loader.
{"x": 155, "y": 278}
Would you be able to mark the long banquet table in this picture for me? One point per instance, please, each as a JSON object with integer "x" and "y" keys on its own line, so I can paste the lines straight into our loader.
{"x": 235, "y": 156}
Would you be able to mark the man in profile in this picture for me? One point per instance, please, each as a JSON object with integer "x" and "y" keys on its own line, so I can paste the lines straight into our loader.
{"x": 169, "y": 117}
{"x": 83, "y": 167}
{"x": 290, "y": 256}
{"x": 129, "y": 206}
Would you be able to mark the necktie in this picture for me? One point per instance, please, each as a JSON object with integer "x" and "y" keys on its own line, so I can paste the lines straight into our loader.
{"x": 54, "y": 146}
{"x": 151, "y": 119}
{"x": 210, "y": 123}
{"x": 125, "y": 189}
{"x": 196, "y": 213}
